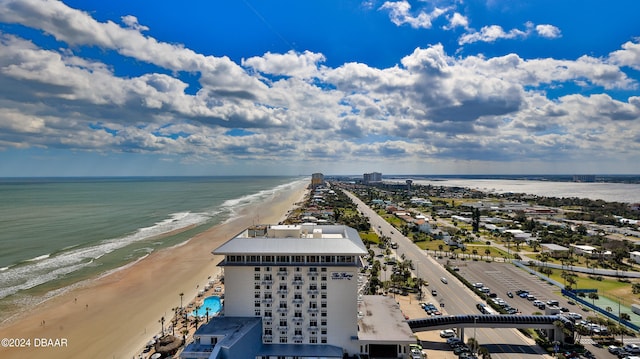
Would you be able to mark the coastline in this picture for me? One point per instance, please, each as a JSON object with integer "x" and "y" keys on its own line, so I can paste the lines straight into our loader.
{"x": 115, "y": 315}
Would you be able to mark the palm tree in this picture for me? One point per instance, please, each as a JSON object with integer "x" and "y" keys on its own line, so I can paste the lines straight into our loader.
{"x": 484, "y": 352}
{"x": 207, "y": 309}
{"x": 440, "y": 246}
{"x": 475, "y": 253}
{"x": 473, "y": 344}
{"x": 197, "y": 317}
{"x": 487, "y": 252}
{"x": 181, "y": 295}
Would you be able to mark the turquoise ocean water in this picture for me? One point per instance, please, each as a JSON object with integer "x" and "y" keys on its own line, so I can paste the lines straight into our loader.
{"x": 55, "y": 232}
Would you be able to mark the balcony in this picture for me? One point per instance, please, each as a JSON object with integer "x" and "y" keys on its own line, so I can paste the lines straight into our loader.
{"x": 312, "y": 310}
{"x": 282, "y": 310}
{"x": 282, "y": 328}
{"x": 297, "y": 301}
{"x": 312, "y": 274}
{"x": 313, "y": 328}
{"x": 283, "y": 291}
{"x": 267, "y": 282}
{"x": 267, "y": 300}
{"x": 298, "y": 281}
{"x": 313, "y": 291}
{"x": 298, "y": 319}
{"x": 282, "y": 273}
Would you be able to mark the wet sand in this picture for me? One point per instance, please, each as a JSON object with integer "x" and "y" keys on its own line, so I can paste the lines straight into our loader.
{"x": 116, "y": 315}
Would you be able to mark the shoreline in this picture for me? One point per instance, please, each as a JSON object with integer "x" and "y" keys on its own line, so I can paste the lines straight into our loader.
{"x": 115, "y": 315}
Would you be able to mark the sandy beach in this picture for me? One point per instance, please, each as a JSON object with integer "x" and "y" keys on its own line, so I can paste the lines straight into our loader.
{"x": 116, "y": 315}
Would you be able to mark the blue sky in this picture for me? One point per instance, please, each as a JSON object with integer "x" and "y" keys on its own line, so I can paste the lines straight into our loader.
{"x": 340, "y": 87}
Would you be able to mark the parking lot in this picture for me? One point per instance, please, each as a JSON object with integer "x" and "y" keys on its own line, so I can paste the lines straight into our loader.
{"x": 502, "y": 278}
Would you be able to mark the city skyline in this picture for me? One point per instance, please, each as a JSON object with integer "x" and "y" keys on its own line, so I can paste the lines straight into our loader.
{"x": 95, "y": 88}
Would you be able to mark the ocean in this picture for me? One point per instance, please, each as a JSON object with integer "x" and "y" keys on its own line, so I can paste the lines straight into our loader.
{"x": 55, "y": 232}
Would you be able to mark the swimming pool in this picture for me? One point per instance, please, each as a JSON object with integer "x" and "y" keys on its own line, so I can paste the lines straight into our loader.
{"x": 213, "y": 303}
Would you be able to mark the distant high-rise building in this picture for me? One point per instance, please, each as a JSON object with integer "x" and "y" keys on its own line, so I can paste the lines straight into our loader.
{"x": 372, "y": 177}
{"x": 317, "y": 179}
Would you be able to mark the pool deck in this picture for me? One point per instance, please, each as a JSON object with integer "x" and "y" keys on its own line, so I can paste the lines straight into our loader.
{"x": 185, "y": 326}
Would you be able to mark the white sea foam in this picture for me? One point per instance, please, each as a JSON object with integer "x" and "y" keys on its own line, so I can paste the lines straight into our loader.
{"x": 39, "y": 258}
{"x": 45, "y": 268}
{"x": 50, "y": 267}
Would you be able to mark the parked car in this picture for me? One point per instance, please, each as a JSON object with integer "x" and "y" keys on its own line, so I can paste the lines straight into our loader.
{"x": 509, "y": 294}
{"x": 447, "y": 333}
{"x": 613, "y": 349}
{"x": 631, "y": 348}
{"x": 443, "y": 280}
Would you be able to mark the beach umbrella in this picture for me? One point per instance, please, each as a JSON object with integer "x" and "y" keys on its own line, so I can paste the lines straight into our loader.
{"x": 156, "y": 356}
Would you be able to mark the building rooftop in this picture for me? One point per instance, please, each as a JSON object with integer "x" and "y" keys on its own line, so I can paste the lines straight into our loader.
{"x": 295, "y": 239}
{"x": 554, "y": 247}
{"x": 381, "y": 320}
{"x": 301, "y": 350}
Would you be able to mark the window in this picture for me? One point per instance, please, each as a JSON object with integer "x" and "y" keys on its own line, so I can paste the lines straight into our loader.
{"x": 256, "y": 276}
{"x": 313, "y": 323}
{"x": 323, "y": 340}
{"x": 313, "y": 340}
{"x": 323, "y": 331}
{"x": 256, "y": 294}
{"x": 323, "y": 314}
{"x": 257, "y": 269}
{"x": 268, "y": 331}
{"x": 256, "y": 304}
{"x": 283, "y": 305}
{"x": 323, "y": 304}
{"x": 323, "y": 322}
{"x": 267, "y": 314}
{"x": 323, "y": 269}
{"x": 283, "y": 339}
{"x": 256, "y": 312}
{"x": 283, "y": 322}
{"x": 323, "y": 278}
{"x": 256, "y": 286}
{"x": 298, "y": 331}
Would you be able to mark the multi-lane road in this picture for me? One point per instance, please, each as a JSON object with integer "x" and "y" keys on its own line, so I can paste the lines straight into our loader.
{"x": 457, "y": 298}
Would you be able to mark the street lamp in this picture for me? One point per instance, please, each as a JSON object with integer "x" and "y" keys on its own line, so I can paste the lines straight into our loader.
{"x": 475, "y": 340}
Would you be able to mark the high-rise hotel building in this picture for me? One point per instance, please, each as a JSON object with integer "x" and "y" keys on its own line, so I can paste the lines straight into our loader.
{"x": 291, "y": 291}
{"x": 300, "y": 282}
